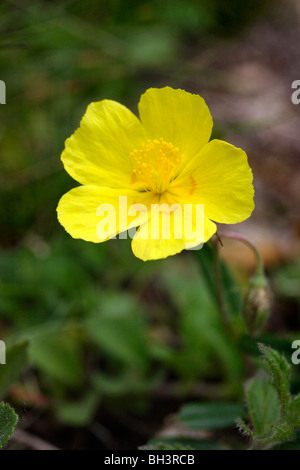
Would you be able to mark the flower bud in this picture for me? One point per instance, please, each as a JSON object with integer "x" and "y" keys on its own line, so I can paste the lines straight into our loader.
{"x": 257, "y": 304}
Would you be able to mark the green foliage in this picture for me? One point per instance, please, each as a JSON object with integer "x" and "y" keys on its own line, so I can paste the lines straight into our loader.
{"x": 16, "y": 359}
{"x": 165, "y": 446}
{"x": 58, "y": 356}
{"x": 80, "y": 412}
{"x": 198, "y": 419}
{"x": 248, "y": 344}
{"x": 8, "y": 422}
{"x": 279, "y": 370}
{"x": 180, "y": 443}
{"x": 296, "y": 410}
{"x": 286, "y": 280}
{"x": 120, "y": 332}
{"x": 126, "y": 384}
{"x": 263, "y": 405}
{"x": 206, "y": 260}
{"x": 274, "y": 412}
{"x": 210, "y": 415}
{"x": 95, "y": 326}
{"x": 205, "y": 342}
{"x": 293, "y": 444}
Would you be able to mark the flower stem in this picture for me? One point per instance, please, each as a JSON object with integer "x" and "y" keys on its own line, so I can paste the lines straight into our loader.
{"x": 241, "y": 238}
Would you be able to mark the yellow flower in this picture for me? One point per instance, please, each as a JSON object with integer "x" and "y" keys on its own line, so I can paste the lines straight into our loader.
{"x": 164, "y": 157}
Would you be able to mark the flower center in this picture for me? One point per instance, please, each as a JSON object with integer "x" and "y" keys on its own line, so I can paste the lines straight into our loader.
{"x": 155, "y": 164}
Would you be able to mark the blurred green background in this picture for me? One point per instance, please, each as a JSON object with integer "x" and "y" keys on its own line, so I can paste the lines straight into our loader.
{"x": 115, "y": 344}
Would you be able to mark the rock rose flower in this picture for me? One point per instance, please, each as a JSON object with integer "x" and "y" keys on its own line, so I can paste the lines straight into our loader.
{"x": 162, "y": 159}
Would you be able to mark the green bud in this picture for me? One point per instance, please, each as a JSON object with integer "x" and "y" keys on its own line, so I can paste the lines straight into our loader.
{"x": 257, "y": 304}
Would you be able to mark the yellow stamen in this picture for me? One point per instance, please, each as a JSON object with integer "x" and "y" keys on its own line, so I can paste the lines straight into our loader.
{"x": 155, "y": 165}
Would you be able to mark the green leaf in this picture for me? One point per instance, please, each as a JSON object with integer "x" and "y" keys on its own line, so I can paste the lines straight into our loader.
{"x": 8, "y": 422}
{"x": 78, "y": 413}
{"x": 286, "y": 280}
{"x": 263, "y": 405}
{"x": 210, "y": 415}
{"x": 279, "y": 369}
{"x": 297, "y": 409}
{"x": 204, "y": 342}
{"x": 120, "y": 331}
{"x": 59, "y": 357}
{"x": 177, "y": 443}
{"x": 119, "y": 385}
{"x": 294, "y": 444}
{"x": 273, "y": 410}
{"x": 293, "y": 414}
{"x": 283, "y": 432}
{"x": 16, "y": 358}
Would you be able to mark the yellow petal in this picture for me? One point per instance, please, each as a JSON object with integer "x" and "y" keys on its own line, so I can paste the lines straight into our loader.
{"x": 177, "y": 116}
{"x": 96, "y": 214}
{"x": 171, "y": 230}
{"x": 220, "y": 178}
{"x": 98, "y": 152}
